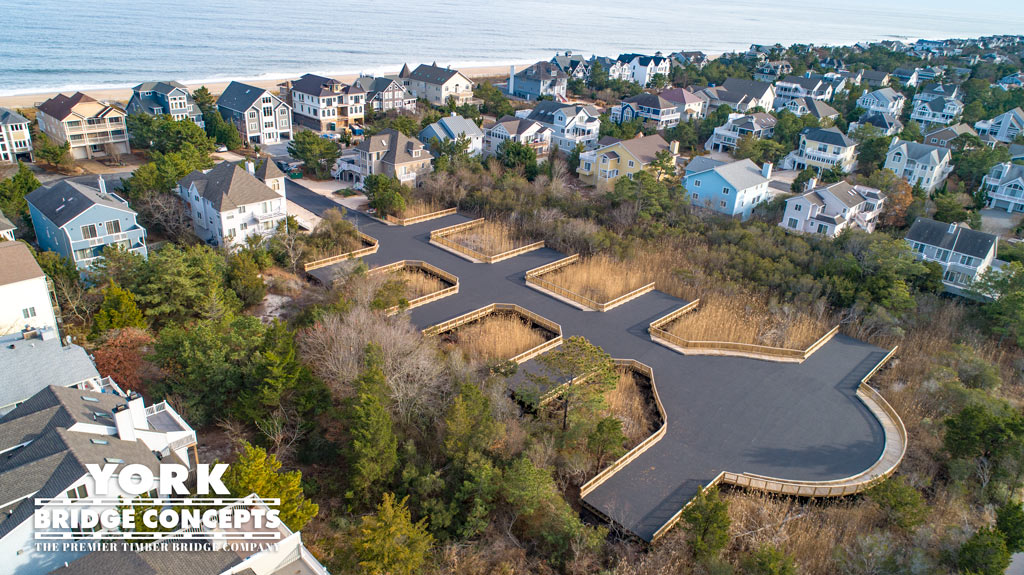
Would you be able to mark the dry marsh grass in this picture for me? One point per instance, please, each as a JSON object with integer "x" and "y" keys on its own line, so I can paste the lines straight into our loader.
{"x": 746, "y": 320}
{"x": 489, "y": 238}
{"x": 497, "y": 336}
{"x": 630, "y": 404}
{"x": 419, "y": 283}
{"x": 416, "y": 208}
{"x": 600, "y": 278}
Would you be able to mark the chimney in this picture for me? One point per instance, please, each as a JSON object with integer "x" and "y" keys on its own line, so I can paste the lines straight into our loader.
{"x": 766, "y": 171}
{"x": 511, "y": 80}
{"x": 250, "y": 167}
{"x": 103, "y": 186}
{"x": 952, "y": 228}
{"x": 123, "y": 422}
{"x": 137, "y": 408}
{"x": 673, "y": 147}
{"x": 811, "y": 184}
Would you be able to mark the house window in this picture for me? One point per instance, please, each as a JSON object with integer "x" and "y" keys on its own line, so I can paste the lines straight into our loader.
{"x": 725, "y": 191}
{"x": 83, "y": 254}
{"x": 793, "y": 223}
{"x": 919, "y": 247}
{"x": 696, "y": 183}
{"x": 113, "y": 226}
{"x": 798, "y": 208}
{"x": 80, "y": 492}
{"x": 967, "y": 261}
{"x": 822, "y": 229}
{"x": 243, "y": 227}
{"x": 29, "y": 312}
{"x": 241, "y": 209}
{"x": 722, "y": 203}
{"x": 586, "y": 166}
{"x": 231, "y": 232}
{"x": 943, "y": 255}
{"x": 631, "y": 163}
{"x": 89, "y": 231}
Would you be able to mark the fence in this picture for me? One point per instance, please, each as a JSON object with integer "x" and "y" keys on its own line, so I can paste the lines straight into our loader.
{"x": 372, "y": 245}
{"x": 420, "y": 218}
{"x": 533, "y": 277}
{"x": 453, "y": 281}
{"x": 641, "y": 447}
{"x": 892, "y": 455}
{"x": 508, "y": 308}
{"x": 440, "y": 237}
{"x": 663, "y": 336}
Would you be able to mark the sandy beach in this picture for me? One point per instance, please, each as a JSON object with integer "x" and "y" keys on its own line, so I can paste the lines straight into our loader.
{"x": 124, "y": 94}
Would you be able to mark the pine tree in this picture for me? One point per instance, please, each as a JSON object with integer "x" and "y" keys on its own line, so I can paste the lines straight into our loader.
{"x": 257, "y": 472}
{"x": 707, "y": 520}
{"x": 117, "y": 311}
{"x": 373, "y": 454}
{"x": 390, "y": 543}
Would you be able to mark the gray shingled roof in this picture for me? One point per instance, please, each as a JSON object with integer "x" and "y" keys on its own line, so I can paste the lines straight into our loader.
{"x": 749, "y": 88}
{"x": 846, "y": 193}
{"x": 396, "y": 145}
{"x": 883, "y": 120}
{"x": 32, "y": 364}
{"x": 702, "y": 164}
{"x": 644, "y": 148}
{"x": 741, "y": 174}
{"x": 164, "y": 87}
{"x": 541, "y": 71}
{"x": 923, "y": 153}
{"x": 831, "y": 136}
{"x": 153, "y": 562}
{"x": 432, "y": 74}
{"x": 451, "y": 127}
{"x": 322, "y": 86}
{"x": 886, "y": 94}
{"x": 6, "y": 224}
{"x": 957, "y": 238}
{"x": 651, "y": 101}
{"x": 66, "y": 200}
{"x": 8, "y": 116}
{"x": 545, "y": 111}
{"x": 239, "y": 97}
{"x": 228, "y": 186}
{"x": 803, "y": 82}
{"x": 515, "y": 125}
{"x": 817, "y": 108}
{"x": 267, "y": 170}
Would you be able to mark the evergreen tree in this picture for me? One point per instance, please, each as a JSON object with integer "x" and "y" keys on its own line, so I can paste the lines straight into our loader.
{"x": 707, "y": 521}
{"x": 1010, "y": 522}
{"x": 583, "y": 370}
{"x": 244, "y": 279}
{"x": 768, "y": 560}
{"x": 389, "y": 543}
{"x": 373, "y": 453}
{"x": 386, "y": 194}
{"x": 117, "y": 311}
{"x": 257, "y": 472}
{"x": 985, "y": 553}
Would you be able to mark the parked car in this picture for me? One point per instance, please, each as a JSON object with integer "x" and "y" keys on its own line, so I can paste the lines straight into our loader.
{"x": 221, "y": 148}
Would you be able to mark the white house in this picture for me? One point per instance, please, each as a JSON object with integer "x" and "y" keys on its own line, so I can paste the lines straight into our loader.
{"x": 730, "y": 188}
{"x": 261, "y": 117}
{"x": 26, "y": 298}
{"x": 759, "y": 125}
{"x": 436, "y": 84}
{"x": 229, "y": 203}
{"x": 963, "y": 253}
{"x": 830, "y": 209}
{"x": 939, "y": 110}
{"x": 521, "y": 130}
{"x": 1004, "y": 185}
{"x": 1003, "y": 128}
{"x": 797, "y": 87}
{"x": 452, "y": 128}
{"x": 885, "y": 100}
{"x": 822, "y": 149}
{"x": 919, "y": 164}
{"x": 50, "y": 438}
{"x": 655, "y": 111}
{"x": 740, "y": 95}
{"x": 823, "y": 112}
{"x": 642, "y": 69}
{"x": 570, "y": 124}
{"x": 15, "y": 137}
{"x": 690, "y": 105}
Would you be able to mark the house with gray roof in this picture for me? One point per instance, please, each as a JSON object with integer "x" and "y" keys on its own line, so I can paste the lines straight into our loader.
{"x": 260, "y": 116}
{"x": 436, "y": 85}
{"x": 574, "y": 65}
{"x": 919, "y": 164}
{"x": 963, "y": 253}
{"x": 823, "y": 149}
{"x": 654, "y": 110}
{"x": 1003, "y": 128}
{"x": 229, "y": 203}
{"x": 514, "y": 129}
{"x": 831, "y": 208}
{"x": 78, "y": 221}
{"x": 798, "y": 87}
{"x": 759, "y": 125}
{"x": 1004, "y": 187}
{"x": 885, "y": 100}
{"x": 7, "y": 228}
{"x": 26, "y": 295}
{"x": 36, "y": 358}
{"x": 875, "y": 78}
{"x": 48, "y": 440}
{"x": 571, "y": 125}
{"x": 165, "y": 98}
{"x": 936, "y": 111}
{"x": 643, "y": 68}
{"x": 887, "y": 123}
{"x": 816, "y": 108}
{"x": 15, "y": 137}
{"x": 385, "y": 94}
{"x": 452, "y": 128}
{"x": 324, "y": 105}
{"x": 730, "y": 188}
{"x": 543, "y": 79}
{"x": 945, "y": 135}
{"x": 391, "y": 153}
{"x": 740, "y": 95}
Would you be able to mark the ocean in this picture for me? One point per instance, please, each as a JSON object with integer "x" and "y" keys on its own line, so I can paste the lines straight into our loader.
{"x": 50, "y": 45}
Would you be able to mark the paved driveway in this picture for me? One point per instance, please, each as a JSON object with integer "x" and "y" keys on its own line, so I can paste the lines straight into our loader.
{"x": 1000, "y": 222}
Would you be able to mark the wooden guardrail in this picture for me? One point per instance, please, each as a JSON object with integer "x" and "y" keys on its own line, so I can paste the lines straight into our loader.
{"x": 451, "y": 279}
{"x": 641, "y": 447}
{"x": 661, "y": 335}
{"x": 507, "y": 308}
{"x": 892, "y": 455}
{"x": 534, "y": 277}
{"x": 372, "y": 245}
{"x": 441, "y": 237}
{"x": 420, "y": 218}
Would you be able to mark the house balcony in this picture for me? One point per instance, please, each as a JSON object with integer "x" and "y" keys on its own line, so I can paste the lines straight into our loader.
{"x": 276, "y": 214}
{"x": 100, "y": 240}
{"x": 162, "y": 417}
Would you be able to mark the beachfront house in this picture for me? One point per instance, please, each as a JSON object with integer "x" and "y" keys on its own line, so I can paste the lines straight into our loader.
{"x": 642, "y": 69}
{"x": 261, "y": 117}
{"x": 831, "y": 208}
{"x": 618, "y": 158}
{"x": 324, "y": 105}
{"x": 574, "y": 65}
{"x": 611, "y": 67}
{"x": 436, "y": 85}
{"x": 919, "y": 164}
{"x": 26, "y": 294}
{"x": 1004, "y": 187}
{"x": 759, "y": 125}
{"x": 165, "y": 98}
{"x": 730, "y": 188}
{"x": 1003, "y": 128}
{"x": 540, "y": 80}
{"x": 963, "y": 253}
{"x": 386, "y": 94}
{"x": 78, "y": 221}
{"x": 514, "y": 129}
{"x": 571, "y": 125}
{"x": 15, "y": 137}
{"x": 823, "y": 149}
{"x": 95, "y": 129}
{"x": 228, "y": 203}
{"x": 452, "y": 128}
{"x": 655, "y": 111}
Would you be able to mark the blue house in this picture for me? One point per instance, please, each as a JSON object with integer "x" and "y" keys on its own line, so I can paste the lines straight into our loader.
{"x": 78, "y": 221}
{"x": 730, "y": 188}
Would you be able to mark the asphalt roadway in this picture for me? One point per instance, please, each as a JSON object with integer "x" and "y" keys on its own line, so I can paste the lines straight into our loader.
{"x": 794, "y": 421}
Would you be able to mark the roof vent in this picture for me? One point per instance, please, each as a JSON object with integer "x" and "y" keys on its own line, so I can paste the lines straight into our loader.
{"x": 952, "y": 228}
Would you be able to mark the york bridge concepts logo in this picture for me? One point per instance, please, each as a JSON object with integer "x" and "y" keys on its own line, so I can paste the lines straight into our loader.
{"x": 131, "y": 505}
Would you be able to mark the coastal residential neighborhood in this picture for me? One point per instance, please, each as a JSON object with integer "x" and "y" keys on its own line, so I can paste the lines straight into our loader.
{"x": 759, "y": 312}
